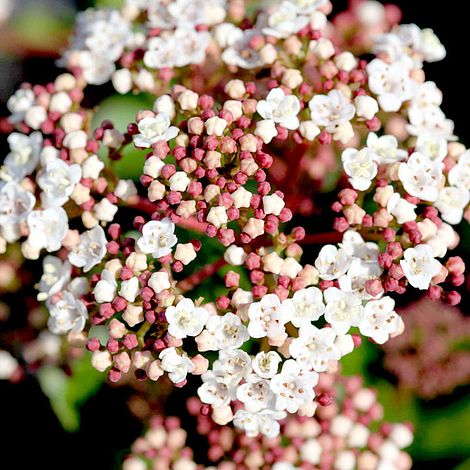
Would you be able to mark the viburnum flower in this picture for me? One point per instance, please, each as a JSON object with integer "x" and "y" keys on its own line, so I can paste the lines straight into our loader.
{"x": 315, "y": 348}
{"x": 185, "y": 319}
{"x": 343, "y": 310}
{"x": 420, "y": 266}
{"x": 90, "y": 250}
{"x": 308, "y": 306}
{"x": 157, "y": 238}
{"x": 421, "y": 177}
{"x": 195, "y": 268}
{"x": 391, "y": 83}
{"x": 268, "y": 317}
{"x": 47, "y": 228}
{"x": 360, "y": 166}
{"x": 293, "y": 387}
{"x": 280, "y": 108}
{"x": 67, "y": 314}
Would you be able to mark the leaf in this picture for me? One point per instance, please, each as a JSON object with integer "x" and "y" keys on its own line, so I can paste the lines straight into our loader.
{"x": 67, "y": 393}
{"x": 123, "y": 109}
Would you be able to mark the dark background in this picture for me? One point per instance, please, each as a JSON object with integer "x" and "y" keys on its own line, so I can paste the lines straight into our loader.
{"x": 32, "y": 437}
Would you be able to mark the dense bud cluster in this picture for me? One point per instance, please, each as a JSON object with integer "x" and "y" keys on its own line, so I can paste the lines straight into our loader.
{"x": 256, "y": 111}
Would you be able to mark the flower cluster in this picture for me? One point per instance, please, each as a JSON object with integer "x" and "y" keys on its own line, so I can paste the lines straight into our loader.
{"x": 437, "y": 335}
{"x": 341, "y": 436}
{"x": 226, "y": 158}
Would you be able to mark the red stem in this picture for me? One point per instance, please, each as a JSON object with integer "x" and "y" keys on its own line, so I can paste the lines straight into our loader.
{"x": 317, "y": 238}
{"x": 205, "y": 272}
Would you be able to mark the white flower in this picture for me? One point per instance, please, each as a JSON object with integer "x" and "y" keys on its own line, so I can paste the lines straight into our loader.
{"x": 385, "y": 148}
{"x": 240, "y": 54}
{"x": 47, "y": 228}
{"x": 35, "y": 116}
{"x": 343, "y": 309}
{"x": 57, "y": 181}
{"x": 101, "y": 360}
{"x": 401, "y": 209}
{"x": 227, "y": 331}
{"x": 255, "y": 394}
{"x": 366, "y": 106}
{"x": 215, "y": 126}
{"x": 157, "y": 238}
{"x": 314, "y": 348}
{"x": 359, "y": 272}
{"x": 16, "y": 203}
{"x": 217, "y": 216}
{"x": 423, "y": 42}
{"x": 262, "y": 422}
{"x": 331, "y": 110}
{"x": 96, "y": 69}
{"x": 332, "y": 262}
{"x": 179, "y": 181}
{"x": 215, "y": 391}
{"x": 419, "y": 266}
{"x": 284, "y": 21}
{"x": 75, "y": 140}
{"x": 425, "y": 115}
{"x": 434, "y": 146}
{"x": 67, "y": 314}
{"x": 153, "y": 130}
{"x": 391, "y": 82}
{"x": 380, "y": 320}
{"x": 8, "y": 365}
{"x": 459, "y": 175}
{"x": 293, "y": 387}
{"x": 91, "y": 249}
{"x": 24, "y": 156}
{"x": 105, "y": 289}
{"x": 266, "y": 364}
{"x": 227, "y": 34}
{"x": 19, "y": 103}
{"x": 280, "y": 108}
{"x": 130, "y": 289}
{"x": 92, "y": 166}
{"x": 268, "y": 317}
{"x": 122, "y": 81}
{"x": 177, "y": 365}
{"x": 241, "y": 197}
{"x": 421, "y": 176}
{"x": 451, "y": 203}
{"x": 178, "y": 48}
{"x": 159, "y": 281}
{"x": 273, "y": 204}
{"x": 185, "y": 319}
{"x": 235, "y": 255}
{"x": 56, "y": 274}
{"x": 164, "y": 14}
{"x": 308, "y": 305}
{"x": 360, "y": 166}
{"x": 105, "y": 210}
{"x": 125, "y": 189}
{"x": 103, "y": 32}
{"x": 266, "y": 130}
{"x": 233, "y": 365}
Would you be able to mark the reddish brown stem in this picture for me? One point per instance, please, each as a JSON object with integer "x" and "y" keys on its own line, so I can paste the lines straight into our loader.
{"x": 205, "y": 272}
{"x": 317, "y": 238}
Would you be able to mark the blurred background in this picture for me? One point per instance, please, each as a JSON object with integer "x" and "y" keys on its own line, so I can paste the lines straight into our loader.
{"x": 422, "y": 376}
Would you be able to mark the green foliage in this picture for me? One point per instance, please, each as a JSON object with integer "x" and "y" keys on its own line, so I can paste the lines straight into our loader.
{"x": 67, "y": 393}
{"x": 122, "y": 110}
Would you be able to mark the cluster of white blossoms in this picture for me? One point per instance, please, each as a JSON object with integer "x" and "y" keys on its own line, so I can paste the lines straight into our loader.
{"x": 209, "y": 168}
{"x": 282, "y": 376}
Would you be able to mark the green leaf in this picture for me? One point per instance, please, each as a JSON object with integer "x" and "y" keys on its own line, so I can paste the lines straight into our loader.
{"x": 122, "y": 109}
{"x": 67, "y": 393}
